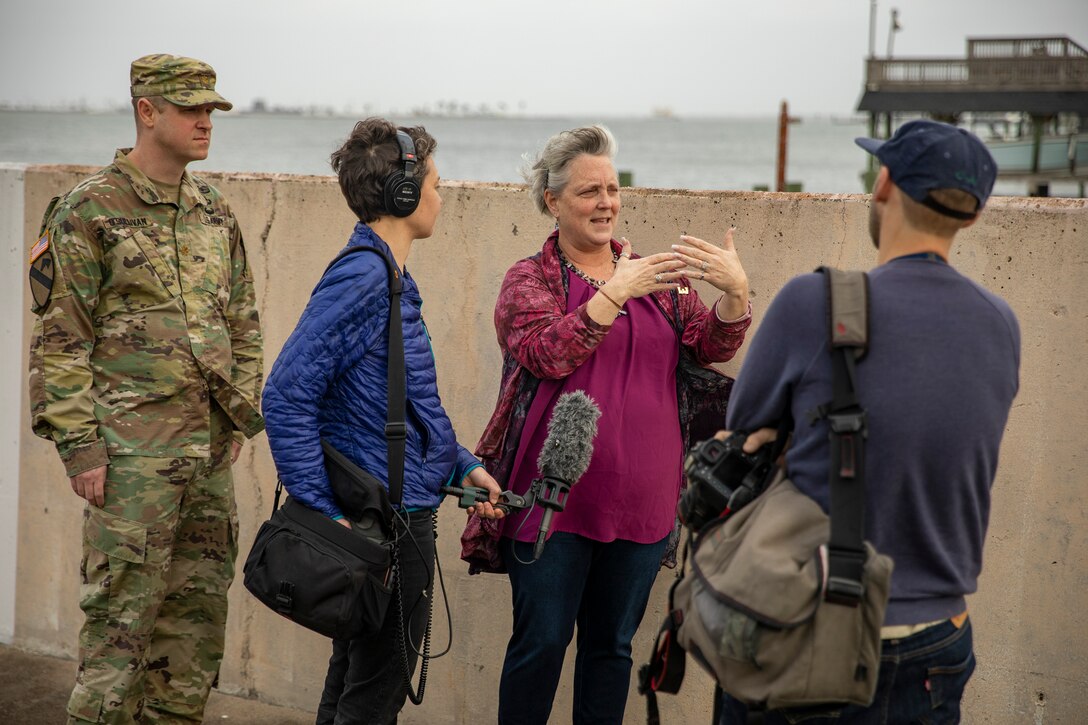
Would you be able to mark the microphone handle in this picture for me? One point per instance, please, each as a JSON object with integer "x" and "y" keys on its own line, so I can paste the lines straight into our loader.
{"x": 542, "y": 533}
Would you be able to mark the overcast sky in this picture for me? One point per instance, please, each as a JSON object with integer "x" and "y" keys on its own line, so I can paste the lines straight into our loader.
{"x": 563, "y": 57}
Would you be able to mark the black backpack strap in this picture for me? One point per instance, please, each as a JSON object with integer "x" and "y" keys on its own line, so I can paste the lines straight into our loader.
{"x": 396, "y": 429}
{"x": 848, "y": 321}
{"x": 665, "y": 670}
{"x": 668, "y": 660}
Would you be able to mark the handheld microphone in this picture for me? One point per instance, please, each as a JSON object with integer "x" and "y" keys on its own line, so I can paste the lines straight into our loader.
{"x": 564, "y": 456}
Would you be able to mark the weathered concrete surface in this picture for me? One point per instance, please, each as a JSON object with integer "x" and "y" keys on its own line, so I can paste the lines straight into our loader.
{"x": 1031, "y": 613}
{"x": 34, "y": 690}
{"x": 12, "y": 265}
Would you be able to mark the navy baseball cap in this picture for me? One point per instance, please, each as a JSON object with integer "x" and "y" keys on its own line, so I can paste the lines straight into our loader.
{"x": 926, "y": 155}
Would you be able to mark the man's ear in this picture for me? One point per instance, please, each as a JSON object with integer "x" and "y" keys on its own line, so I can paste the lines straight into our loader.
{"x": 145, "y": 113}
{"x": 882, "y": 187}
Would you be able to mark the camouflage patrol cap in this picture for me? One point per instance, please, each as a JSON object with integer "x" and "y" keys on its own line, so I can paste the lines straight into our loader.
{"x": 182, "y": 81}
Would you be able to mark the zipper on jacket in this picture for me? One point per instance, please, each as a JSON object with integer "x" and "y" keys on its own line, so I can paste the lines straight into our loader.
{"x": 421, "y": 430}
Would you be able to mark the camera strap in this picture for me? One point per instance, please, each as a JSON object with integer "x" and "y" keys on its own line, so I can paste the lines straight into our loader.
{"x": 665, "y": 670}
{"x": 848, "y": 322}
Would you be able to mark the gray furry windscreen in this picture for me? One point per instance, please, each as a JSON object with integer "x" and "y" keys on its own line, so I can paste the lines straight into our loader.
{"x": 569, "y": 446}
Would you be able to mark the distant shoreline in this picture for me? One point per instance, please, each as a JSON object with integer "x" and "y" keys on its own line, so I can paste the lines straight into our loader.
{"x": 301, "y": 113}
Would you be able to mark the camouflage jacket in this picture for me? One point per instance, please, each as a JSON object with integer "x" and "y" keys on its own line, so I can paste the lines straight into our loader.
{"x": 145, "y": 324}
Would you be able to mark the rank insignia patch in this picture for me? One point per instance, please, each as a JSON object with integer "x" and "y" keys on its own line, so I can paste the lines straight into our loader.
{"x": 41, "y": 273}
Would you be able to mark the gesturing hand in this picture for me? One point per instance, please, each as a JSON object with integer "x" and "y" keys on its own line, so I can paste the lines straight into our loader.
{"x": 720, "y": 266}
{"x": 639, "y": 277}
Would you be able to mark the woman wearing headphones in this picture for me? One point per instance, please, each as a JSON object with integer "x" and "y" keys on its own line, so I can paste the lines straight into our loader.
{"x": 329, "y": 383}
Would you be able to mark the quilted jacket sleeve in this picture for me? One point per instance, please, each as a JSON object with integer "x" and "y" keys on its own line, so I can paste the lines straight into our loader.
{"x": 465, "y": 463}
{"x": 341, "y": 322}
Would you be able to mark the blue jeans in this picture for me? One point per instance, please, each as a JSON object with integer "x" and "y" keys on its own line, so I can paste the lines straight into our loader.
{"x": 921, "y": 681}
{"x": 603, "y": 587}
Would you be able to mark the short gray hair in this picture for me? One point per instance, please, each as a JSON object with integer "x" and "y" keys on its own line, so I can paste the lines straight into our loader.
{"x": 550, "y": 169}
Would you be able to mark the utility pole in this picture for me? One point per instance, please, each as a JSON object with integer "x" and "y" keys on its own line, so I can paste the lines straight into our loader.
{"x": 896, "y": 27}
{"x": 784, "y": 120}
{"x": 872, "y": 29}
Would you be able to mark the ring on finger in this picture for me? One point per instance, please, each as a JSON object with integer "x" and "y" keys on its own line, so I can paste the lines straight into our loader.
{"x": 704, "y": 267}
{"x": 702, "y": 276}
{"x": 626, "y": 255}
{"x": 657, "y": 278}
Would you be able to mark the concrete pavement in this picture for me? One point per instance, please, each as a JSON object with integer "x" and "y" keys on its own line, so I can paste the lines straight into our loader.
{"x": 34, "y": 691}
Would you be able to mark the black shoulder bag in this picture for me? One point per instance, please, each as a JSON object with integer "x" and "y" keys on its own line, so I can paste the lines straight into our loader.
{"x": 310, "y": 568}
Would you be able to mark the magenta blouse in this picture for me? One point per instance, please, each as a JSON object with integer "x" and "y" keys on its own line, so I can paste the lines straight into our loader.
{"x": 630, "y": 489}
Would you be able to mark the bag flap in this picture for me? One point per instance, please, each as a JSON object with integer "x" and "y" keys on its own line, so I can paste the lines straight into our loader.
{"x": 765, "y": 560}
{"x": 304, "y": 519}
{"x": 356, "y": 491}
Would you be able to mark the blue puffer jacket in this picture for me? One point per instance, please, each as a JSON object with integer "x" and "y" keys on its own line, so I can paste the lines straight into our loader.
{"x": 330, "y": 382}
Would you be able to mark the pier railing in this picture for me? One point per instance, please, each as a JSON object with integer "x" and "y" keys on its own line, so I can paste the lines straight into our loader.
{"x": 978, "y": 74}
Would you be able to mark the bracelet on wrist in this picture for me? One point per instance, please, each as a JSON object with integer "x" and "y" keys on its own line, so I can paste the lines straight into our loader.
{"x": 747, "y": 312}
{"x": 605, "y": 295}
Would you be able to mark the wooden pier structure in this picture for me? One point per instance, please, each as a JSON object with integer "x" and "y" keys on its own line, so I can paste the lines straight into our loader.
{"x": 1030, "y": 93}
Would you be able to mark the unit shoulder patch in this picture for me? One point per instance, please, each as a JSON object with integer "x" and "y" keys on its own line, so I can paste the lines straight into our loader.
{"x": 41, "y": 273}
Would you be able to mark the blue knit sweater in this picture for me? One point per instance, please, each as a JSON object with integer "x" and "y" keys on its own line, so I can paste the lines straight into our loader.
{"x": 938, "y": 382}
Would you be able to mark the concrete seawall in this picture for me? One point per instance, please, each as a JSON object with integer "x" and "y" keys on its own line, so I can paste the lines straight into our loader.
{"x": 1031, "y": 611}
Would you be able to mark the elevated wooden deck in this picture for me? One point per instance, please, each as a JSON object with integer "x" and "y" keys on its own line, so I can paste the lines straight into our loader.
{"x": 1044, "y": 80}
{"x": 1038, "y": 76}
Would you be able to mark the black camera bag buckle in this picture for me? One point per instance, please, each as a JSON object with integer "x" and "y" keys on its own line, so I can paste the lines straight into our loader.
{"x": 844, "y": 580}
{"x": 286, "y": 598}
{"x": 665, "y": 670}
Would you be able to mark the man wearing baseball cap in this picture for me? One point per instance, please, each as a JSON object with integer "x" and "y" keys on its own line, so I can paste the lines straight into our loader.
{"x": 145, "y": 372}
{"x": 937, "y": 382}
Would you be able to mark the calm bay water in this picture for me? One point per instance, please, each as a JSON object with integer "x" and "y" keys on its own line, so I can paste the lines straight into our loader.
{"x": 665, "y": 153}
{"x": 699, "y": 154}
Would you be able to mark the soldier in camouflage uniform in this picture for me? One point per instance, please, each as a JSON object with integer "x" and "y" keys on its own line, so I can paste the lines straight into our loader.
{"x": 145, "y": 372}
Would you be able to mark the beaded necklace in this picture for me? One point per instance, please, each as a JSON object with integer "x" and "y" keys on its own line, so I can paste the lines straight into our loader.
{"x": 595, "y": 283}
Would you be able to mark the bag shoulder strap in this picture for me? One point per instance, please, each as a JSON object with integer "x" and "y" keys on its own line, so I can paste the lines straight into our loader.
{"x": 665, "y": 670}
{"x": 396, "y": 429}
{"x": 848, "y": 331}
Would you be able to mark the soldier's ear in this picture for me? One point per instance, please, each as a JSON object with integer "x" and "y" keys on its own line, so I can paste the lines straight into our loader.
{"x": 145, "y": 113}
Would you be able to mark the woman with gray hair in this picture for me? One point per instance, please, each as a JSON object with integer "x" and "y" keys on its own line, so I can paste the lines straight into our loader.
{"x": 587, "y": 313}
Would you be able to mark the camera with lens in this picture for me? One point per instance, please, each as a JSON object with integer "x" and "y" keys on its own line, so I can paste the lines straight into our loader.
{"x": 722, "y": 478}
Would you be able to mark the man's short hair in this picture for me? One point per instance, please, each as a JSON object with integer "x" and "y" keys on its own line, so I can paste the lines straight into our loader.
{"x": 157, "y": 101}
{"x": 369, "y": 156}
{"x": 927, "y": 220}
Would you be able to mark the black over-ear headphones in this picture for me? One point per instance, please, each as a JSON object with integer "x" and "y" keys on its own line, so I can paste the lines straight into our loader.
{"x": 401, "y": 188}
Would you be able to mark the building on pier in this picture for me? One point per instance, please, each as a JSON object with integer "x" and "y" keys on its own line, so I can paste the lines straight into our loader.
{"x": 1026, "y": 97}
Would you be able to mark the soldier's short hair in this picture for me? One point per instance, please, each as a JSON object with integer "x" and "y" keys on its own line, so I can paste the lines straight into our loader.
{"x": 157, "y": 101}
{"x": 369, "y": 155}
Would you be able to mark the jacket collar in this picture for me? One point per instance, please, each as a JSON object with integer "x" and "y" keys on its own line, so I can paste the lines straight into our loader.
{"x": 364, "y": 235}
{"x": 193, "y": 194}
